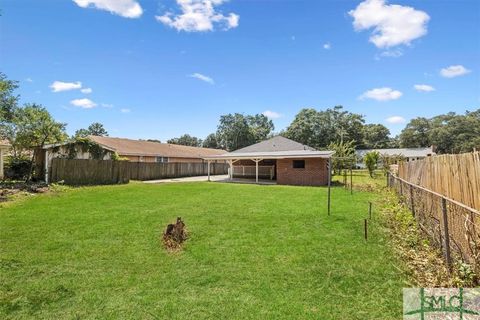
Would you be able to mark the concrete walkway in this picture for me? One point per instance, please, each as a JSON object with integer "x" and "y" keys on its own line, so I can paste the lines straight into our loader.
{"x": 190, "y": 179}
{"x": 219, "y": 178}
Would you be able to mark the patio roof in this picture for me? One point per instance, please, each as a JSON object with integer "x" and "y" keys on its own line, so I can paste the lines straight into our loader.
{"x": 272, "y": 155}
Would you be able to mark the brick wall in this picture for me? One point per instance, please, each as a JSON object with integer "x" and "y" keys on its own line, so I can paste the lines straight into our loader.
{"x": 315, "y": 172}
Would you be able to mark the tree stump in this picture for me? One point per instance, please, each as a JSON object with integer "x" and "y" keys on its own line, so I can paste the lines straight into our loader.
{"x": 174, "y": 235}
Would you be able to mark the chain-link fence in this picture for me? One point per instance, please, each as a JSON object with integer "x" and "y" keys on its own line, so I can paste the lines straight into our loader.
{"x": 451, "y": 225}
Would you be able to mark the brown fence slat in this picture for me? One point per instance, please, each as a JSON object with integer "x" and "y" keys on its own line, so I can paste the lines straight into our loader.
{"x": 152, "y": 171}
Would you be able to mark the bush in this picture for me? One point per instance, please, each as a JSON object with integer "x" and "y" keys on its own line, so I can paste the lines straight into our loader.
{"x": 17, "y": 168}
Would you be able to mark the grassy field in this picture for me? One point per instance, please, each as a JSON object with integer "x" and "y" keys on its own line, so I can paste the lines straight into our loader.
{"x": 255, "y": 252}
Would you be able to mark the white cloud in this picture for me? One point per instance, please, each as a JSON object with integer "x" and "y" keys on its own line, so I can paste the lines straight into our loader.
{"x": 198, "y": 16}
{"x": 107, "y": 105}
{"x": 124, "y": 8}
{"x": 202, "y": 77}
{"x": 125, "y": 110}
{"x": 327, "y": 46}
{"x": 392, "y": 53}
{"x": 454, "y": 71}
{"x": 392, "y": 24}
{"x": 83, "y": 103}
{"x": 424, "y": 88}
{"x": 29, "y": 80}
{"x": 86, "y": 90}
{"x": 58, "y": 86}
{"x": 395, "y": 119}
{"x": 272, "y": 114}
{"x": 381, "y": 94}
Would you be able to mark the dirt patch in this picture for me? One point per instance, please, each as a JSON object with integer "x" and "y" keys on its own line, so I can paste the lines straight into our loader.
{"x": 9, "y": 190}
{"x": 174, "y": 236}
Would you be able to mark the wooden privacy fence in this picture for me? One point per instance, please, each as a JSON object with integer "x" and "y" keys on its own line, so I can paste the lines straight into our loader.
{"x": 89, "y": 172}
{"x": 84, "y": 172}
{"x": 451, "y": 225}
{"x": 456, "y": 176}
{"x": 153, "y": 170}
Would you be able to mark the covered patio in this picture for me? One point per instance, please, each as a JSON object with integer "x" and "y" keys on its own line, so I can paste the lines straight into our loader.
{"x": 280, "y": 159}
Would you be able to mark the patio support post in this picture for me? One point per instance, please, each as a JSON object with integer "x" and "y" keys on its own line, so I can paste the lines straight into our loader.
{"x": 256, "y": 169}
{"x": 230, "y": 162}
{"x": 329, "y": 181}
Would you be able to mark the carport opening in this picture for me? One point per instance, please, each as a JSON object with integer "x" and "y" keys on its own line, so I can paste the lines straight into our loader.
{"x": 246, "y": 169}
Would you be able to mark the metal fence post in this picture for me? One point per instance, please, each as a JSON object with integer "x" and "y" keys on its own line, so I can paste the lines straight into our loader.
{"x": 446, "y": 233}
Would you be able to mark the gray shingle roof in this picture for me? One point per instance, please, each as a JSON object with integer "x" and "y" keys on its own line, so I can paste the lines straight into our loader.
{"x": 277, "y": 143}
{"x": 275, "y": 148}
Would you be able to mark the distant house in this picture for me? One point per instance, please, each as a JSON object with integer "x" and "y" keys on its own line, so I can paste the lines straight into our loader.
{"x": 280, "y": 159}
{"x": 408, "y": 154}
{"x": 107, "y": 148}
{"x": 4, "y": 146}
{"x": 133, "y": 150}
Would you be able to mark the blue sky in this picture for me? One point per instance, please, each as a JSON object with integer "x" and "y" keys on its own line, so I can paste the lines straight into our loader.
{"x": 158, "y": 69}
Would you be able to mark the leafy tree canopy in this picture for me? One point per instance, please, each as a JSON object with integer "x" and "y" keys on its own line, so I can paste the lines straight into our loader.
{"x": 186, "y": 140}
{"x": 236, "y": 131}
{"x": 449, "y": 133}
{"x": 210, "y": 141}
{"x": 8, "y": 100}
{"x": 320, "y": 128}
{"x": 95, "y": 129}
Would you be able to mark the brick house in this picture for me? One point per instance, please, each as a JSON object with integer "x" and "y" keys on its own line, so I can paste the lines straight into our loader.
{"x": 281, "y": 159}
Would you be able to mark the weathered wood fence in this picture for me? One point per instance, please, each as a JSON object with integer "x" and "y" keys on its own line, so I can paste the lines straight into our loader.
{"x": 456, "y": 176}
{"x": 91, "y": 172}
{"x": 152, "y": 170}
{"x": 451, "y": 224}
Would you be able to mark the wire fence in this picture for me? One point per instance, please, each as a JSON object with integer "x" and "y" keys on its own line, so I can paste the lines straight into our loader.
{"x": 452, "y": 226}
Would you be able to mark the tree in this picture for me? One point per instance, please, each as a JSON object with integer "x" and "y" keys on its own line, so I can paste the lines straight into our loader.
{"x": 236, "y": 131}
{"x": 260, "y": 126}
{"x": 456, "y": 133}
{"x": 8, "y": 100}
{"x": 186, "y": 140}
{"x": 344, "y": 157}
{"x": 210, "y": 141}
{"x": 449, "y": 133}
{"x": 35, "y": 128}
{"x": 416, "y": 134}
{"x": 371, "y": 160}
{"x": 318, "y": 129}
{"x": 95, "y": 129}
{"x": 376, "y": 136}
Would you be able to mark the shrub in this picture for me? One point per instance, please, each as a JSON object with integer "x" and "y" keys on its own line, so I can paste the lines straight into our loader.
{"x": 17, "y": 168}
{"x": 371, "y": 160}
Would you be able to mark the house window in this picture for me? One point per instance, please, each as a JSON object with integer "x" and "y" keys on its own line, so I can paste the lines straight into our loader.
{"x": 298, "y": 164}
{"x": 162, "y": 159}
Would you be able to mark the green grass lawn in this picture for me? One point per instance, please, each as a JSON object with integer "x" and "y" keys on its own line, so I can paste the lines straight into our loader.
{"x": 255, "y": 252}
